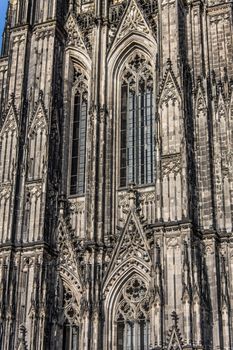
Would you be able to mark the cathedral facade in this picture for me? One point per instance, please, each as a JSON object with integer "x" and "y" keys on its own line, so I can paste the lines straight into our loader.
{"x": 116, "y": 175}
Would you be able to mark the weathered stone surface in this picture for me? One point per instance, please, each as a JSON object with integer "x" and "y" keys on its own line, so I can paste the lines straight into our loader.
{"x": 85, "y": 263}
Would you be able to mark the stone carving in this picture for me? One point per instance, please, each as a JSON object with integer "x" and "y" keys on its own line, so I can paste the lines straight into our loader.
{"x": 67, "y": 257}
{"x": 171, "y": 164}
{"x": 74, "y": 35}
{"x": 105, "y": 268}
{"x": 133, "y": 21}
{"x": 169, "y": 88}
{"x": 174, "y": 341}
{"x": 134, "y": 301}
{"x": 132, "y": 245}
{"x": 39, "y": 119}
{"x": 10, "y": 121}
{"x": 71, "y": 307}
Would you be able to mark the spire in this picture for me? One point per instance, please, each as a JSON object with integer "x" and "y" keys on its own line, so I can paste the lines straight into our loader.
{"x": 6, "y": 33}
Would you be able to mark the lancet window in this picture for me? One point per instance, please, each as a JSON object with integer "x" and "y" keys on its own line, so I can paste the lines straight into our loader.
{"x": 132, "y": 318}
{"x": 136, "y": 137}
{"x": 71, "y": 324}
{"x": 37, "y": 146}
{"x": 80, "y": 111}
{"x": 8, "y": 148}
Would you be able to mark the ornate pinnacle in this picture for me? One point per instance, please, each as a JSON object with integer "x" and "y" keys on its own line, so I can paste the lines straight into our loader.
{"x": 132, "y": 195}
{"x": 175, "y": 318}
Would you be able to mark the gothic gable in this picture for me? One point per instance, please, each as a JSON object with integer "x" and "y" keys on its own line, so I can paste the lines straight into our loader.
{"x": 39, "y": 119}
{"x": 68, "y": 263}
{"x": 174, "y": 339}
{"x": 74, "y": 35}
{"x": 174, "y": 342}
{"x": 221, "y": 107}
{"x": 169, "y": 89}
{"x": 200, "y": 99}
{"x": 133, "y": 22}
{"x": 10, "y": 122}
{"x": 131, "y": 251}
{"x": 8, "y": 145}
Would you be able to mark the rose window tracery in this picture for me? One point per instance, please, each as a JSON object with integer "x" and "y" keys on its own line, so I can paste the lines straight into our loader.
{"x": 135, "y": 290}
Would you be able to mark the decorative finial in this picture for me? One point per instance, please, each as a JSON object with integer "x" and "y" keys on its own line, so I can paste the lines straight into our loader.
{"x": 132, "y": 195}
{"x": 175, "y": 318}
{"x": 169, "y": 62}
{"x": 41, "y": 94}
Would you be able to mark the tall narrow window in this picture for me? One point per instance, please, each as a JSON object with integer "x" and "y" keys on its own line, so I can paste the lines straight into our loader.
{"x": 70, "y": 337}
{"x": 137, "y": 142}
{"x": 77, "y": 181}
{"x": 133, "y": 325}
{"x": 71, "y": 329}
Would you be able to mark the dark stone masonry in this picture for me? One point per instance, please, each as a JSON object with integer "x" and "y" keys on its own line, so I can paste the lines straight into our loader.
{"x": 116, "y": 175}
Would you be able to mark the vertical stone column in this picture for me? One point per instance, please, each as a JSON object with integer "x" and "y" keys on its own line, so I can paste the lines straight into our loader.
{"x": 213, "y": 275}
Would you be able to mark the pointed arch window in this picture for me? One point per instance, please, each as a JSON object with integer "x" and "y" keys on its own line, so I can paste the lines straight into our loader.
{"x": 38, "y": 138}
{"x": 132, "y": 318}
{"x": 70, "y": 337}
{"x": 8, "y": 147}
{"x": 71, "y": 329}
{"x": 136, "y": 137}
{"x": 80, "y": 111}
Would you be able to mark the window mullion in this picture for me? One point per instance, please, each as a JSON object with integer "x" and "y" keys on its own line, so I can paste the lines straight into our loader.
{"x": 138, "y": 150}
{"x": 78, "y": 143}
{"x": 151, "y": 136}
{"x": 137, "y": 143}
{"x": 77, "y": 185}
{"x": 125, "y": 335}
{"x": 139, "y": 131}
{"x": 130, "y": 137}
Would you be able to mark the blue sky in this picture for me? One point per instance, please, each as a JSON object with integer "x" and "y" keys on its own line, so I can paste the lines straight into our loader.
{"x": 3, "y": 7}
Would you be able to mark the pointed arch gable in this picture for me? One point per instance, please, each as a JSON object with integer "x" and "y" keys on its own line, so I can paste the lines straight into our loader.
{"x": 68, "y": 265}
{"x": 130, "y": 256}
{"x": 113, "y": 293}
{"x": 132, "y": 220}
{"x": 10, "y": 122}
{"x": 200, "y": 100}
{"x": 133, "y": 22}
{"x": 115, "y": 286}
{"x": 175, "y": 341}
{"x": 8, "y": 145}
{"x": 222, "y": 105}
{"x": 74, "y": 35}
{"x": 119, "y": 53}
{"x": 170, "y": 88}
{"x": 39, "y": 118}
{"x": 72, "y": 291}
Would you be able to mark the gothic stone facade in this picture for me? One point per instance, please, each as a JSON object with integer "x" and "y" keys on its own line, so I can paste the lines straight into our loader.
{"x": 116, "y": 175}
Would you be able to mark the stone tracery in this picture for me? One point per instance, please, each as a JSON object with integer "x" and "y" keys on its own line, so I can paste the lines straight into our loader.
{"x": 132, "y": 316}
{"x": 116, "y": 267}
{"x": 137, "y": 106}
